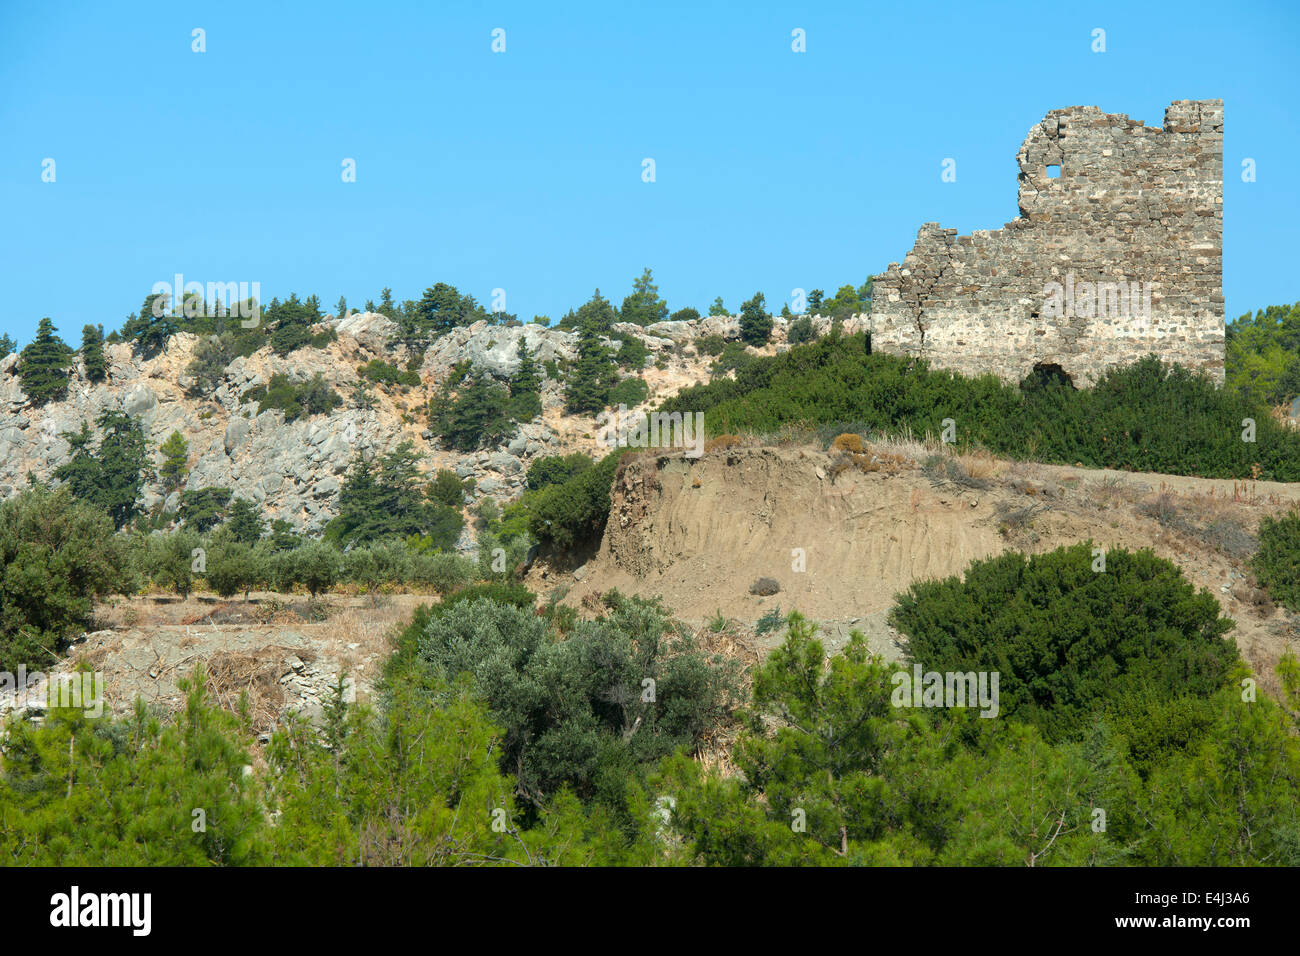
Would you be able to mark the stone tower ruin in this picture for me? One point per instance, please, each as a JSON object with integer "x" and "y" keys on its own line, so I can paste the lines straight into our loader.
{"x": 1119, "y": 255}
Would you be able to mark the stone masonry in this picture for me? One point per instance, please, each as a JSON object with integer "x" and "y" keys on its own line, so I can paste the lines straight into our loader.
{"x": 1119, "y": 256}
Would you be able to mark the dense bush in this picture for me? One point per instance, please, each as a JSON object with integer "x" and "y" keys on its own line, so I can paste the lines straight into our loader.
{"x": 630, "y": 392}
{"x": 314, "y": 397}
{"x": 57, "y": 557}
{"x": 1069, "y": 641}
{"x": 479, "y": 414}
{"x": 1144, "y": 417}
{"x": 574, "y": 510}
{"x": 1262, "y": 360}
{"x": 384, "y": 373}
{"x": 800, "y": 331}
{"x": 579, "y": 711}
{"x": 1277, "y": 562}
{"x": 554, "y": 469}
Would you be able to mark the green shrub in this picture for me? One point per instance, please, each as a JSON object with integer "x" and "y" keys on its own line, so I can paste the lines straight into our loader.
{"x": 57, "y": 557}
{"x": 576, "y": 712}
{"x": 1143, "y": 417}
{"x": 383, "y": 373}
{"x": 447, "y": 488}
{"x": 574, "y": 510}
{"x": 1067, "y": 641}
{"x": 1277, "y": 562}
{"x": 314, "y": 397}
{"x": 800, "y": 331}
{"x": 555, "y": 469}
{"x": 710, "y": 344}
{"x": 629, "y": 392}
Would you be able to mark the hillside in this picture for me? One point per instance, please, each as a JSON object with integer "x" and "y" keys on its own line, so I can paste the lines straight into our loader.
{"x": 294, "y": 469}
{"x": 700, "y": 533}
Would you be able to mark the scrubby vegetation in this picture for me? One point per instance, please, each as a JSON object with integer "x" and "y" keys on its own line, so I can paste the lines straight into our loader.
{"x": 1144, "y": 417}
{"x": 1277, "y": 562}
{"x": 313, "y": 397}
{"x": 504, "y": 734}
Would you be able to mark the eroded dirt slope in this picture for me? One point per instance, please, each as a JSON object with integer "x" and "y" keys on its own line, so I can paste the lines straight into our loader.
{"x": 700, "y": 533}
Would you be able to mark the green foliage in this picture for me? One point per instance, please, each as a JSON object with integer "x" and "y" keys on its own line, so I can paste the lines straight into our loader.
{"x": 231, "y": 567}
{"x": 389, "y": 502}
{"x": 94, "y": 792}
{"x": 446, "y": 487}
{"x": 203, "y": 508}
{"x": 687, "y": 314}
{"x": 525, "y": 387}
{"x": 478, "y": 415}
{"x": 555, "y": 469}
{"x": 1143, "y": 417}
{"x": 384, "y": 373}
{"x": 244, "y": 521}
{"x": 575, "y": 510}
{"x": 632, "y": 352}
{"x": 755, "y": 321}
{"x": 207, "y": 367}
{"x": 734, "y": 356}
{"x": 1262, "y": 361}
{"x": 43, "y": 366}
{"x": 1069, "y": 641}
{"x": 169, "y": 560}
{"x": 175, "y": 451}
{"x": 92, "y": 353}
{"x": 156, "y": 323}
{"x": 592, "y": 375}
{"x": 577, "y": 711}
{"x": 313, "y": 397}
{"x": 290, "y": 323}
{"x": 112, "y": 476}
{"x": 441, "y": 309}
{"x": 710, "y": 344}
{"x": 596, "y": 313}
{"x": 630, "y": 392}
{"x": 316, "y": 566}
{"x": 717, "y": 308}
{"x": 7, "y": 345}
{"x": 644, "y": 306}
{"x": 1277, "y": 562}
{"x": 800, "y": 331}
{"x": 847, "y": 302}
{"x": 57, "y": 557}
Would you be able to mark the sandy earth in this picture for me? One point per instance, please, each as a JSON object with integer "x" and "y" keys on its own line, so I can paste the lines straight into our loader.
{"x": 700, "y": 533}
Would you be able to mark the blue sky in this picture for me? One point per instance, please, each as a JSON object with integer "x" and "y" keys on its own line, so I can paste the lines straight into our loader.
{"x": 522, "y": 170}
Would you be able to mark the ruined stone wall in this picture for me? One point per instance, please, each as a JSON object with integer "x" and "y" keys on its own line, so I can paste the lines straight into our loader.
{"x": 1132, "y": 204}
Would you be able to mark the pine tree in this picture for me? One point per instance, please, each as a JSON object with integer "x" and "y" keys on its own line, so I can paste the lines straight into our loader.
{"x": 7, "y": 345}
{"x": 43, "y": 365}
{"x": 175, "y": 452}
{"x": 92, "y": 353}
{"x": 525, "y": 386}
{"x": 341, "y": 310}
{"x": 593, "y": 373}
{"x": 644, "y": 306}
{"x": 755, "y": 323}
{"x": 717, "y": 308}
{"x": 244, "y": 521}
{"x": 155, "y": 325}
{"x": 478, "y": 416}
{"x": 112, "y": 476}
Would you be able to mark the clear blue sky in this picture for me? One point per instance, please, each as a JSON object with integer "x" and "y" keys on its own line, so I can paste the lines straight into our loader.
{"x": 522, "y": 170}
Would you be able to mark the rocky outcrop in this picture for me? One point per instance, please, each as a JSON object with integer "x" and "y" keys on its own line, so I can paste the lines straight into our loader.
{"x": 295, "y": 470}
